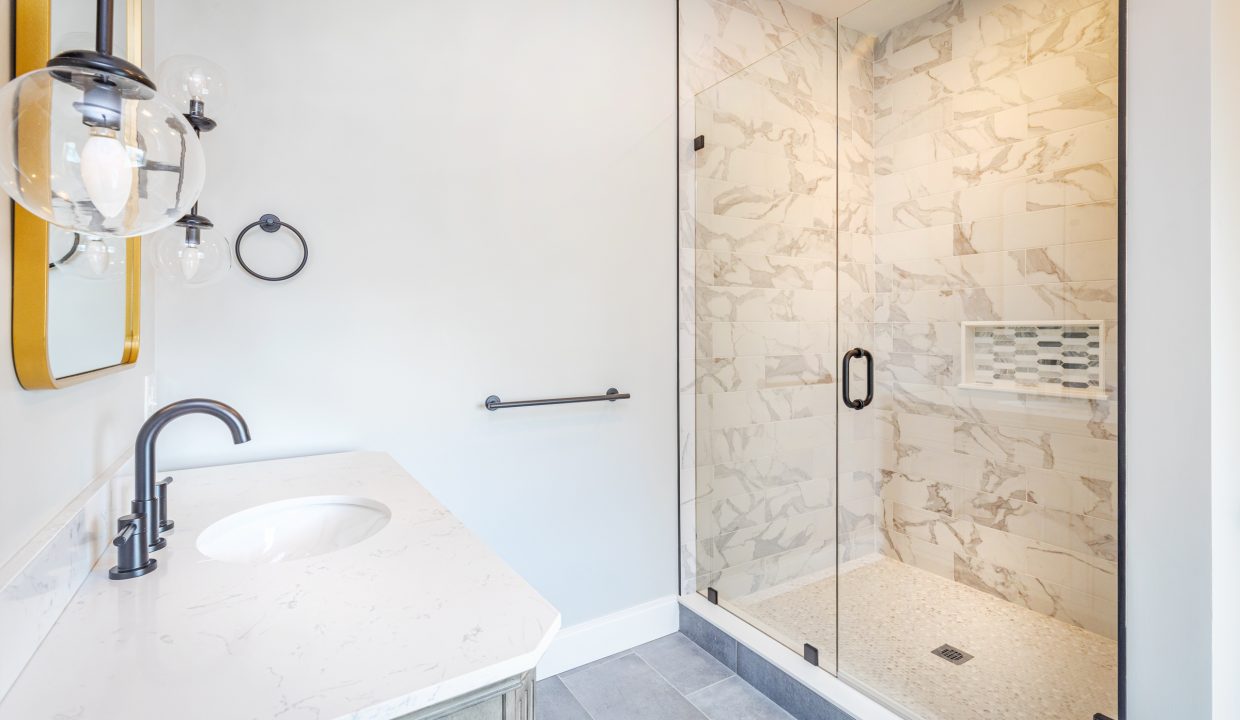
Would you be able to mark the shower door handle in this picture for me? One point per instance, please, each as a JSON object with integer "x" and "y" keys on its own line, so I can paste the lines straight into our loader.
{"x": 869, "y": 378}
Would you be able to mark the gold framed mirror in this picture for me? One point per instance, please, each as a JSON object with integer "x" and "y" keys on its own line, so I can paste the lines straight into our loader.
{"x": 76, "y": 300}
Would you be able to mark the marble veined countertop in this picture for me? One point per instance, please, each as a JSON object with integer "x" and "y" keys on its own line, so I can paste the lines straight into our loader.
{"x": 420, "y": 612}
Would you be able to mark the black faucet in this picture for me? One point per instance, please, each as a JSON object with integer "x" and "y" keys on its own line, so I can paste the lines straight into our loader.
{"x": 138, "y": 533}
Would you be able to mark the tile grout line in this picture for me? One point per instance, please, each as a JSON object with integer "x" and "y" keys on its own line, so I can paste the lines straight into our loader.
{"x": 633, "y": 652}
{"x": 717, "y": 682}
{"x": 668, "y": 680}
{"x": 571, "y": 694}
{"x": 595, "y": 663}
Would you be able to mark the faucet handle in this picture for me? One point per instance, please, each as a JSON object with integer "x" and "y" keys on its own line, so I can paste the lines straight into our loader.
{"x": 132, "y": 559}
{"x": 161, "y": 498}
{"x": 127, "y": 525}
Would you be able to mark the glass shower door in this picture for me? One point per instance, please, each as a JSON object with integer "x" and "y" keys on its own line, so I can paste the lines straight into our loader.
{"x": 765, "y": 325}
{"x": 904, "y": 307}
{"x": 978, "y": 261}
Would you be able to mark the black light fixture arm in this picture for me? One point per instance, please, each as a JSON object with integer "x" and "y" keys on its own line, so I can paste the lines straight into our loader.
{"x": 193, "y": 222}
{"x": 103, "y": 27}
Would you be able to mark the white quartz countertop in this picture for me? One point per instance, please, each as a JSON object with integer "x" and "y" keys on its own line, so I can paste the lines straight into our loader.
{"x": 420, "y": 612}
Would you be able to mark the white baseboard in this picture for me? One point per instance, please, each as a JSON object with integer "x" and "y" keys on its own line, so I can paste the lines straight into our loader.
{"x": 594, "y": 639}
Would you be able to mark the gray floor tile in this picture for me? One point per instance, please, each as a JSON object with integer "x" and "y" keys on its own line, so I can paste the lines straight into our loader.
{"x": 735, "y": 699}
{"x": 596, "y": 663}
{"x": 553, "y": 701}
{"x": 682, "y": 663}
{"x": 710, "y": 638}
{"x": 626, "y": 689}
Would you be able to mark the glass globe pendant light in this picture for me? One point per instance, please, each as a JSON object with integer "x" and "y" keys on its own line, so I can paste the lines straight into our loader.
{"x": 193, "y": 252}
{"x": 89, "y": 145}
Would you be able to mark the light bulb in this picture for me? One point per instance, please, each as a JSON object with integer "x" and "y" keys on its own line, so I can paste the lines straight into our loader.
{"x": 191, "y": 260}
{"x": 97, "y": 256}
{"x": 188, "y": 261}
{"x": 86, "y": 256}
{"x": 186, "y": 78}
{"x": 198, "y": 83}
{"x": 106, "y": 172}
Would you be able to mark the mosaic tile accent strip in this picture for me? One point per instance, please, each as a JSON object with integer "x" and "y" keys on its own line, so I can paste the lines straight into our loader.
{"x": 1050, "y": 358}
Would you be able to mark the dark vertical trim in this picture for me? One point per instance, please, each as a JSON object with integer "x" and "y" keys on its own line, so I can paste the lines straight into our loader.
{"x": 1121, "y": 380}
{"x": 835, "y": 621}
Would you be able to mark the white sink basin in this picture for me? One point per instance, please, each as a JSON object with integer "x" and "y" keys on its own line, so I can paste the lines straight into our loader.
{"x": 292, "y": 529}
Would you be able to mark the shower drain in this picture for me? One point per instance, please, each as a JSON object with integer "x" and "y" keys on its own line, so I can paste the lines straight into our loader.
{"x": 952, "y": 654}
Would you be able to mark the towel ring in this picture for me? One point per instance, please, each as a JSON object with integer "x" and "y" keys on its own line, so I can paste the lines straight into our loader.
{"x": 270, "y": 223}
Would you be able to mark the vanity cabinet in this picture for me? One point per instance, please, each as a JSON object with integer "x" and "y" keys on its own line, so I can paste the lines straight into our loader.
{"x": 512, "y": 699}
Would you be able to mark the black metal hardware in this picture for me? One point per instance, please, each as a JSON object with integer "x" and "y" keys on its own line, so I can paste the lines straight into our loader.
{"x": 194, "y": 223}
{"x": 139, "y": 531}
{"x": 197, "y": 117}
{"x": 699, "y": 142}
{"x": 101, "y": 106}
{"x": 133, "y": 557}
{"x": 103, "y": 27}
{"x": 494, "y": 403}
{"x": 810, "y": 653}
{"x": 270, "y": 223}
{"x": 869, "y": 378}
{"x": 161, "y": 497}
{"x": 1100, "y": 716}
{"x": 712, "y": 595}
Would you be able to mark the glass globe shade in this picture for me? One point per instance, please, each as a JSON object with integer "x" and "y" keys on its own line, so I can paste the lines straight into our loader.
{"x": 135, "y": 169}
{"x": 184, "y": 78}
{"x": 180, "y": 260}
{"x": 87, "y": 256}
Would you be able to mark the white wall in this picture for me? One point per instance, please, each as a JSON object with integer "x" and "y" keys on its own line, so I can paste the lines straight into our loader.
{"x": 54, "y": 442}
{"x": 488, "y": 190}
{"x": 1224, "y": 349}
{"x": 1168, "y": 394}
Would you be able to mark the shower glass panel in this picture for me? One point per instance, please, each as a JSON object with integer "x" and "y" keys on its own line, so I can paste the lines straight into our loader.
{"x": 764, "y": 291}
{"x": 978, "y": 553}
{"x": 905, "y": 303}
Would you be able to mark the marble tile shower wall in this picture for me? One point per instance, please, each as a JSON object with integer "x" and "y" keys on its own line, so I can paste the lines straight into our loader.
{"x": 762, "y": 262}
{"x": 995, "y": 140}
{"x": 859, "y": 513}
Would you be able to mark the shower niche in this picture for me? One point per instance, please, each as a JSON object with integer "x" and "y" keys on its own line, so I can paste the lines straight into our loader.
{"x": 936, "y": 184}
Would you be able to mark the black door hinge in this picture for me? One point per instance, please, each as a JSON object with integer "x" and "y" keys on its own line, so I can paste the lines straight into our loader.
{"x": 699, "y": 142}
{"x": 712, "y": 595}
{"x": 811, "y": 654}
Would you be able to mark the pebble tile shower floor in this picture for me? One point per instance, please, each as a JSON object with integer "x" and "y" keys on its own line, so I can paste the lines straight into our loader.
{"x": 668, "y": 679}
{"x": 1026, "y": 666}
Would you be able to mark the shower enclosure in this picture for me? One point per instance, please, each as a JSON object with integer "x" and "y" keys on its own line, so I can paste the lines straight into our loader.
{"x": 899, "y": 317}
